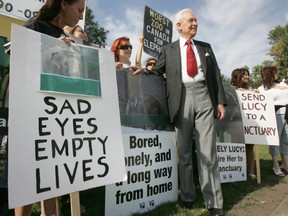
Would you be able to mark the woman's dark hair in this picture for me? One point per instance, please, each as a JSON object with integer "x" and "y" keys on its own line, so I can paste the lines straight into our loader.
{"x": 236, "y": 78}
{"x": 268, "y": 76}
{"x": 51, "y": 9}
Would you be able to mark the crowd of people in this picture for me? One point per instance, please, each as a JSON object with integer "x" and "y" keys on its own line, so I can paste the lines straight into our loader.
{"x": 195, "y": 98}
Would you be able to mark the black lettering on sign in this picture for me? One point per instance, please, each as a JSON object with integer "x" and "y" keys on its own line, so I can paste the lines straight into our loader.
{"x": 7, "y": 6}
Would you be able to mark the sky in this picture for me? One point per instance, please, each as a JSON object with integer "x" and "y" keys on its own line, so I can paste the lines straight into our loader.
{"x": 237, "y": 30}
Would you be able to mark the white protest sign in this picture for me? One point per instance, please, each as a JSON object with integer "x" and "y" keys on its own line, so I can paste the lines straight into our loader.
{"x": 232, "y": 162}
{"x": 64, "y": 130}
{"x": 22, "y": 10}
{"x": 259, "y": 119}
{"x": 150, "y": 158}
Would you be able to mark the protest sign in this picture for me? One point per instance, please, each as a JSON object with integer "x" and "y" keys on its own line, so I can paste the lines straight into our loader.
{"x": 231, "y": 150}
{"x": 157, "y": 31}
{"x": 149, "y": 145}
{"x": 22, "y": 10}
{"x": 230, "y": 129}
{"x": 259, "y": 119}
{"x": 62, "y": 138}
{"x": 232, "y": 162}
{"x": 150, "y": 158}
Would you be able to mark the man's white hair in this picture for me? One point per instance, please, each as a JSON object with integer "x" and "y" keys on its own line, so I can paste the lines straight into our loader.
{"x": 178, "y": 17}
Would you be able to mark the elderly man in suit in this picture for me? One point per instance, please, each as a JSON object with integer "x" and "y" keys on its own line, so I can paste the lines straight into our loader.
{"x": 196, "y": 99}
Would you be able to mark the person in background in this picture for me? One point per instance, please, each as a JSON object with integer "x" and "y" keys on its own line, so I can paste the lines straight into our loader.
{"x": 279, "y": 92}
{"x": 122, "y": 50}
{"x": 240, "y": 81}
{"x": 77, "y": 32}
{"x": 53, "y": 16}
{"x": 196, "y": 98}
{"x": 150, "y": 63}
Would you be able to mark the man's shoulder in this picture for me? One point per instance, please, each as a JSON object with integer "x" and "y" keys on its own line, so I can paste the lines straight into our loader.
{"x": 201, "y": 43}
{"x": 171, "y": 45}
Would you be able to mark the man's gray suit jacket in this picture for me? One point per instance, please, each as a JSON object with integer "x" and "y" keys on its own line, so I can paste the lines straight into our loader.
{"x": 169, "y": 62}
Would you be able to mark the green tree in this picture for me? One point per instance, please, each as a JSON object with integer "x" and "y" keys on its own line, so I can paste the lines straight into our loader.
{"x": 279, "y": 50}
{"x": 96, "y": 35}
{"x": 225, "y": 79}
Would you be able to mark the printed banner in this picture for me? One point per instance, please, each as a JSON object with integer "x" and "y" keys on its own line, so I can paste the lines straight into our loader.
{"x": 157, "y": 31}
{"x": 230, "y": 129}
{"x": 142, "y": 101}
{"x": 152, "y": 179}
{"x": 71, "y": 70}
{"x": 22, "y": 10}
{"x": 231, "y": 150}
{"x": 61, "y": 141}
{"x": 232, "y": 162}
{"x": 259, "y": 118}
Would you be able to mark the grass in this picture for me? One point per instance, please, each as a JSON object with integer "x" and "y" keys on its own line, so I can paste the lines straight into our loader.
{"x": 94, "y": 199}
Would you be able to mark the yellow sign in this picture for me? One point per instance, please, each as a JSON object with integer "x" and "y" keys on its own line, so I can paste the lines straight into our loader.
{"x": 6, "y": 22}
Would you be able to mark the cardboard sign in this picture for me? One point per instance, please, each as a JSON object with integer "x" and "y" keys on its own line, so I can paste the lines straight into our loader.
{"x": 157, "y": 31}
{"x": 259, "y": 119}
{"x": 22, "y": 10}
{"x": 152, "y": 179}
{"x": 232, "y": 162}
{"x": 62, "y": 138}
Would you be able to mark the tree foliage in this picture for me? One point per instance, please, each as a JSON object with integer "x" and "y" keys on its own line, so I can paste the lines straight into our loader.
{"x": 225, "y": 80}
{"x": 96, "y": 35}
{"x": 278, "y": 39}
{"x": 279, "y": 50}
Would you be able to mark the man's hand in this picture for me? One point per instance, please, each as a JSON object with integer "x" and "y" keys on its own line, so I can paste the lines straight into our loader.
{"x": 220, "y": 111}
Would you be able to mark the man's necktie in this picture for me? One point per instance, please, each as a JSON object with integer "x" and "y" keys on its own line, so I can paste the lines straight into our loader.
{"x": 191, "y": 60}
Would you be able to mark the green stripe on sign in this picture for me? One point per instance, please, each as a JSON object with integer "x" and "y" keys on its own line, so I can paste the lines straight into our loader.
{"x": 145, "y": 120}
{"x": 71, "y": 85}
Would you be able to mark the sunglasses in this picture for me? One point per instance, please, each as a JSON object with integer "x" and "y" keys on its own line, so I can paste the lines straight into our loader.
{"x": 126, "y": 47}
{"x": 151, "y": 64}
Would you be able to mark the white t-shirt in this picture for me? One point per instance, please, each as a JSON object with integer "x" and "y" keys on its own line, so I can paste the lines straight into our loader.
{"x": 280, "y": 96}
